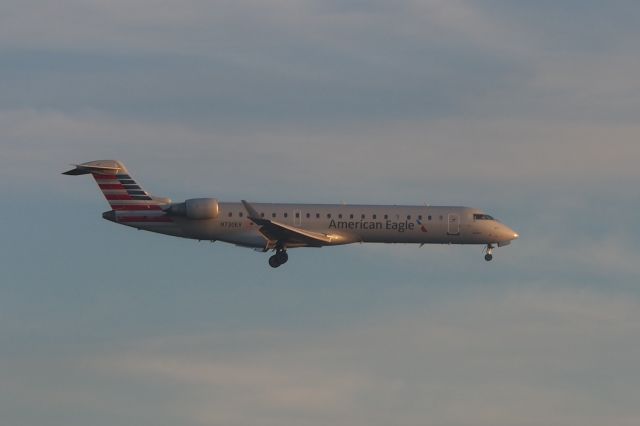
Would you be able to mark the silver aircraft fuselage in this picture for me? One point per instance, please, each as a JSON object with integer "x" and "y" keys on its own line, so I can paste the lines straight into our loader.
{"x": 346, "y": 223}
{"x": 278, "y": 227}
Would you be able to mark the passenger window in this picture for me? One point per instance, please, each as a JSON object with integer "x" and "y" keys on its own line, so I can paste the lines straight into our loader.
{"x": 340, "y": 216}
{"x": 317, "y": 215}
{"x": 386, "y": 216}
{"x": 419, "y": 217}
{"x": 273, "y": 215}
{"x": 286, "y": 215}
{"x": 429, "y": 217}
{"x": 408, "y": 217}
{"x": 351, "y": 216}
{"x": 308, "y": 215}
{"x": 363, "y": 216}
{"x": 262, "y": 214}
{"x": 441, "y": 217}
{"x": 230, "y": 214}
{"x": 240, "y": 214}
{"x": 328, "y": 215}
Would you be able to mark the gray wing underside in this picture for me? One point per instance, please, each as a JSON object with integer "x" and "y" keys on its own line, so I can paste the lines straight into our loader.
{"x": 286, "y": 234}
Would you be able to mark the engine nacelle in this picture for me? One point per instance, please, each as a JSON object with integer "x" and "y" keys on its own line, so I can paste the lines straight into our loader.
{"x": 196, "y": 208}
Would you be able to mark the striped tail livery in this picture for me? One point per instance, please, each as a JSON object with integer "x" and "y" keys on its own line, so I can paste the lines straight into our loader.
{"x": 129, "y": 202}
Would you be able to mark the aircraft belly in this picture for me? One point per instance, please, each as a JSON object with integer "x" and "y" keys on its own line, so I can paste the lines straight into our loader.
{"x": 418, "y": 236}
{"x": 173, "y": 230}
{"x": 236, "y": 232}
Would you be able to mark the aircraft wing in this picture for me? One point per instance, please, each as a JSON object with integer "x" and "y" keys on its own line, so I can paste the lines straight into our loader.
{"x": 287, "y": 234}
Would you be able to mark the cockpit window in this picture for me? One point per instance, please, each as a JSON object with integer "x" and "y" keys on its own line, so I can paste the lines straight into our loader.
{"x": 482, "y": 217}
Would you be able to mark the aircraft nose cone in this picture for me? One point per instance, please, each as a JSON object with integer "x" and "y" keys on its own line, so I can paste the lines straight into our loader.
{"x": 509, "y": 234}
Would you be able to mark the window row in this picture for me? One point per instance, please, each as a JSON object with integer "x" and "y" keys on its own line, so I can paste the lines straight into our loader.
{"x": 339, "y": 216}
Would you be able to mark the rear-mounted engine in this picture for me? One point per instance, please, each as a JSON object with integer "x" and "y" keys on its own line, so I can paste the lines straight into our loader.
{"x": 195, "y": 208}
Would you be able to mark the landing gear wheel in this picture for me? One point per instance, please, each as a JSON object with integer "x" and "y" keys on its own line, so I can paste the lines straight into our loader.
{"x": 273, "y": 261}
{"x": 282, "y": 257}
{"x": 489, "y": 254}
{"x": 279, "y": 258}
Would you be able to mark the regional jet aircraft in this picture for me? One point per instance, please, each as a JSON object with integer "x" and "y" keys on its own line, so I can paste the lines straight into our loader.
{"x": 278, "y": 227}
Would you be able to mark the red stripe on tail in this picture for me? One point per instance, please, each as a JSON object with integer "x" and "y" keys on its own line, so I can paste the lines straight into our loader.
{"x": 104, "y": 177}
{"x": 111, "y": 186}
{"x": 111, "y": 197}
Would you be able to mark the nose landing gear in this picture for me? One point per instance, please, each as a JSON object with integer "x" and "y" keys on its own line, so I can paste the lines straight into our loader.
{"x": 489, "y": 253}
{"x": 280, "y": 258}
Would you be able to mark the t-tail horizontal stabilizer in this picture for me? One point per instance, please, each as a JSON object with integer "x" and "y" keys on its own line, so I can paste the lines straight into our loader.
{"x": 109, "y": 167}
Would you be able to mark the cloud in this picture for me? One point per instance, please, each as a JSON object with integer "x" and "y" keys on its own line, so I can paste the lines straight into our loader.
{"x": 256, "y": 385}
{"x": 538, "y": 356}
{"x": 321, "y": 62}
{"x": 198, "y": 61}
{"x": 424, "y": 159}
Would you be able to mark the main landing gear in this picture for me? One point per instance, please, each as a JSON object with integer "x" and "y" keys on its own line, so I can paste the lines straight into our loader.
{"x": 280, "y": 258}
{"x": 489, "y": 251}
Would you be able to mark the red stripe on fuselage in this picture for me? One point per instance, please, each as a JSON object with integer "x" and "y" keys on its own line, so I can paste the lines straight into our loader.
{"x": 136, "y": 207}
{"x": 144, "y": 219}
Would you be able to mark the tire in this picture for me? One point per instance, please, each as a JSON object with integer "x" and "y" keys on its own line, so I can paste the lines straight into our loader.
{"x": 282, "y": 257}
{"x": 273, "y": 261}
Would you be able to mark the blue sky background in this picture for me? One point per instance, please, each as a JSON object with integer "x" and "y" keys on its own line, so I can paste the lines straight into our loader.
{"x": 528, "y": 110}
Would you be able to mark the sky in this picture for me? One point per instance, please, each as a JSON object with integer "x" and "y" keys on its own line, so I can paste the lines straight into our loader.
{"x": 528, "y": 110}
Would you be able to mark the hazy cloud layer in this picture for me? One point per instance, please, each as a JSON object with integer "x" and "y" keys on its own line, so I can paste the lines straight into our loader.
{"x": 525, "y": 357}
{"x": 326, "y": 62}
{"x": 395, "y": 156}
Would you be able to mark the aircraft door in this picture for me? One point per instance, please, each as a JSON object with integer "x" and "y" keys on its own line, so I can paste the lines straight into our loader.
{"x": 297, "y": 217}
{"x": 453, "y": 224}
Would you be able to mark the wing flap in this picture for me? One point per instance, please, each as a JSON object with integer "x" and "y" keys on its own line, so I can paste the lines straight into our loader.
{"x": 281, "y": 232}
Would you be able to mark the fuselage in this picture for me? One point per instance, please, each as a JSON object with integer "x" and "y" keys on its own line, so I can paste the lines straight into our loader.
{"x": 346, "y": 223}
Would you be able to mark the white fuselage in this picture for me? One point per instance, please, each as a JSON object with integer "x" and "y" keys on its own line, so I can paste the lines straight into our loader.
{"x": 345, "y": 223}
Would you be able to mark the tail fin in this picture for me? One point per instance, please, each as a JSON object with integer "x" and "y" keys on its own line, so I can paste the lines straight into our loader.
{"x": 121, "y": 191}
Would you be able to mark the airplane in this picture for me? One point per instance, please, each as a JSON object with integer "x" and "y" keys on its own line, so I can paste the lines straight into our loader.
{"x": 279, "y": 227}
